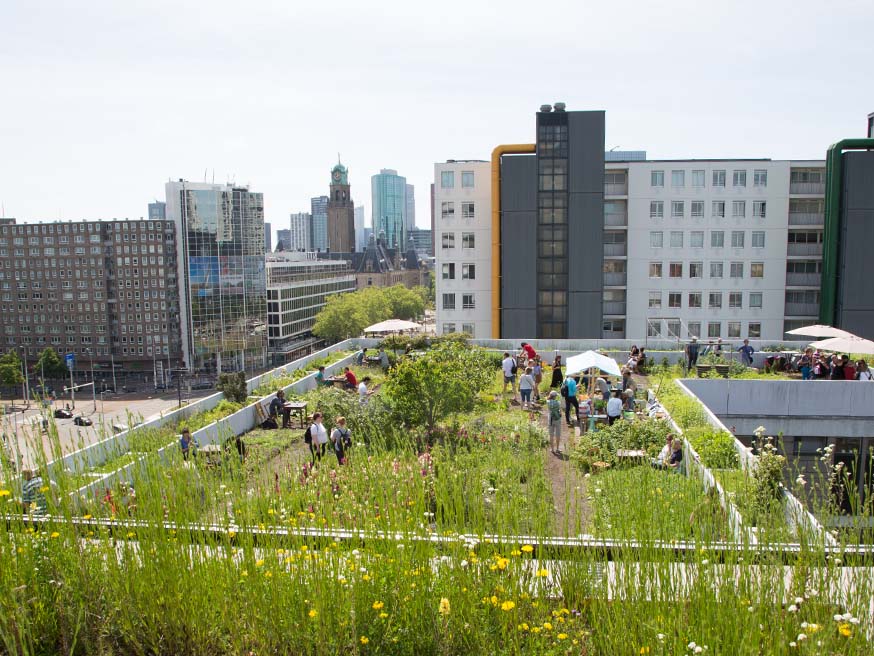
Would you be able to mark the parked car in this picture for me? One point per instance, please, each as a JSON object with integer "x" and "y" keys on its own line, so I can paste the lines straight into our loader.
{"x": 60, "y": 413}
{"x": 79, "y": 420}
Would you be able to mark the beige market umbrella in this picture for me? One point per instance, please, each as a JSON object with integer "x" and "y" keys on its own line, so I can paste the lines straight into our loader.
{"x": 851, "y": 344}
{"x": 819, "y": 330}
{"x": 392, "y": 326}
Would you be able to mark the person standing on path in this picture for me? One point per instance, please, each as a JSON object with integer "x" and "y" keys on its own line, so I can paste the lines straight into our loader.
{"x": 526, "y": 387}
{"x": 569, "y": 389}
{"x": 319, "y": 437}
{"x": 342, "y": 439}
{"x": 556, "y": 372}
{"x": 553, "y": 408}
{"x": 614, "y": 408}
{"x": 692, "y": 353}
{"x": 746, "y": 353}
{"x": 508, "y": 365}
{"x": 538, "y": 376}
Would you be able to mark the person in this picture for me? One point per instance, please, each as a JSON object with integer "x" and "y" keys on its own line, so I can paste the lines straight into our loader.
{"x": 362, "y": 390}
{"x": 556, "y": 372}
{"x": 614, "y": 408}
{"x": 185, "y": 444}
{"x": 641, "y": 361}
{"x": 660, "y": 461}
{"x": 676, "y": 458}
{"x": 746, "y": 353}
{"x": 351, "y": 380}
{"x": 359, "y": 359}
{"x": 528, "y": 351}
{"x": 526, "y": 387}
{"x": 805, "y": 363}
{"x": 538, "y": 376}
{"x": 849, "y": 368}
{"x": 319, "y": 438}
{"x": 629, "y": 400}
{"x": 33, "y": 498}
{"x": 320, "y": 377}
{"x": 569, "y": 392}
{"x": 383, "y": 359}
{"x": 341, "y": 438}
{"x": 628, "y": 382}
{"x": 717, "y": 350}
{"x": 603, "y": 387}
{"x": 553, "y": 407}
{"x": 508, "y": 365}
{"x": 634, "y": 352}
{"x": 837, "y": 368}
{"x": 863, "y": 372}
{"x": 692, "y": 353}
{"x": 277, "y": 407}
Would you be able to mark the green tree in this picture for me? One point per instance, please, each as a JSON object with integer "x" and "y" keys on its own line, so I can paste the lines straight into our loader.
{"x": 50, "y": 365}
{"x": 405, "y": 303}
{"x": 347, "y": 315}
{"x": 233, "y": 385}
{"x": 444, "y": 381}
{"x": 10, "y": 369}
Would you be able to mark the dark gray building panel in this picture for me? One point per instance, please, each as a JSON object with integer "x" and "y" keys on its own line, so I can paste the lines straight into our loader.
{"x": 518, "y": 246}
{"x": 586, "y": 250}
{"x": 586, "y": 153}
{"x": 855, "y": 303}
{"x": 518, "y": 183}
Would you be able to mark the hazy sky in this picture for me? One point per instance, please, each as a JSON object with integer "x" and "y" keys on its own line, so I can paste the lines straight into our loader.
{"x": 103, "y": 101}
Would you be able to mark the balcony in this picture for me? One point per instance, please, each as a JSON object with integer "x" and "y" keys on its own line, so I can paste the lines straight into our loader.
{"x": 802, "y": 309}
{"x": 802, "y": 249}
{"x": 616, "y": 250}
{"x": 615, "y": 308}
{"x": 612, "y": 334}
{"x": 611, "y": 189}
{"x": 806, "y": 218}
{"x": 616, "y": 219}
{"x": 803, "y": 279}
{"x": 817, "y": 188}
{"x": 615, "y": 279}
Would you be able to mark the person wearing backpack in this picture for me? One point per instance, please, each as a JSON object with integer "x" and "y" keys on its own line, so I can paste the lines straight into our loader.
{"x": 569, "y": 392}
{"x": 553, "y": 406}
{"x": 318, "y": 438}
{"x": 508, "y": 365}
{"x": 341, "y": 437}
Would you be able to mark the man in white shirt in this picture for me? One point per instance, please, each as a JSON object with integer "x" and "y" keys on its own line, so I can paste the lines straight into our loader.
{"x": 614, "y": 408}
{"x": 362, "y": 390}
{"x": 508, "y": 364}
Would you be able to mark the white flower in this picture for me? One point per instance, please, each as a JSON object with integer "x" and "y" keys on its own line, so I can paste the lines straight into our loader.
{"x": 698, "y": 650}
{"x": 597, "y": 490}
{"x": 799, "y": 600}
{"x": 854, "y": 620}
{"x": 793, "y": 644}
{"x": 801, "y": 637}
{"x": 804, "y": 625}
{"x": 587, "y": 475}
{"x": 847, "y": 616}
{"x": 401, "y": 547}
{"x": 355, "y": 552}
{"x": 800, "y": 480}
{"x": 793, "y": 608}
{"x": 837, "y": 618}
{"x": 705, "y": 562}
{"x": 661, "y": 637}
{"x": 691, "y": 645}
{"x": 463, "y": 563}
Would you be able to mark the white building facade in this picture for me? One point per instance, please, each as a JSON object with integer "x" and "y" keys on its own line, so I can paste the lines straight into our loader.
{"x": 300, "y": 235}
{"x": 463, "y": 242}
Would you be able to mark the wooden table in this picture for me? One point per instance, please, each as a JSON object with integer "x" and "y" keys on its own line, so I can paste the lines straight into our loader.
{"x": 340, "y": 381}
{"x": 212, "y": 453}
{"x": 633, "y": 456}
{"x": 298, "y": 408}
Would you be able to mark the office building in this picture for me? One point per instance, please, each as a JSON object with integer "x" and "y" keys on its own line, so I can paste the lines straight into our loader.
{"x": 341, "y": 212}
{"x": 301, "y": 232}
{"x": 268, "y": 237}
{"x": 105, "y": 291}
{"x": 157, "y": 211}
{"x": 422, "y": 241}
{"x": 222, "y": 279}
{"x": 360, "y": 235}
{"x": 410, "y": 207}
{"x": 433, "y": 231}
{"x": 318, "y": 224}
{"x": 388, "y": 194}
{"x": 283, "y": 240}
{"x": 297, "y": 287}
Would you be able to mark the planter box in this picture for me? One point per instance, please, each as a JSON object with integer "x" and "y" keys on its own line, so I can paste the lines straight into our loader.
{"x": 721, "y": 369}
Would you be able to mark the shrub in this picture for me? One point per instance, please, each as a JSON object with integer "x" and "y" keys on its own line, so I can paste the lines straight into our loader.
{"x": 602, "y": 445}
{"x": 233, "y": 385}
{"x": 716, "y": 448}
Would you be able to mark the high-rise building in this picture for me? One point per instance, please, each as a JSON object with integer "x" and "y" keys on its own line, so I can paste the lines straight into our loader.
{"x": 360, "y": 236}
{"x": 283, "y": 240}
{"x": 319, "y": 224}
{"x": 157, "y": 211}
{"x": 410, "y": 207}
{"x": 268, "y": 237}
{"x": 222, "y": 278}
{"x": 301, "y": 233}
{"x": 341, "y": 212}
{"x": 389, "y": 192}
{"x": 422, "y": 241}
{"x": 433, "y": 230}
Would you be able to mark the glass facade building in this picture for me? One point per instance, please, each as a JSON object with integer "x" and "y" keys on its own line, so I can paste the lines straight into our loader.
{"x": 389, "y": 196}
{"x": 222, "y": 275}
{"x": 319, "y": 226}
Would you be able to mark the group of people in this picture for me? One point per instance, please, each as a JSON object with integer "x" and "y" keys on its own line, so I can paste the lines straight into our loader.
{"x": 530, "y": 364}
{"x": 694, "y": 349}
{"x": 317, "y": 438}
{"x": 814, "y": 365}
{"x": 636, "y": 359}
{"x": 671, "y": 455}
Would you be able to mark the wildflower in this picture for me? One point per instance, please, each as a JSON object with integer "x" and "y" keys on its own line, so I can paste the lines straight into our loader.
{"x": 661, "y": 637}
{"x": 313, "y": 613}
{"x": 522, "y": 627}
{"x": 800, "y": 480}
{"x": 364, "y": 640}
{"x": 56, "y": 535}
{"x": 643, "y": 650}
{"x": 268, "y": 574}
{"x": 5, "y": 493}
{"x": 845, "y": 629}
{"x": 463, "y": 564}
{"x": 812, "y": 627}
{"x": 547, "y": 626}
{"x": 383, "y": 615}
{"x": 494, "y": 600}
{"x": 377, "y": 605}
{"x": 563, "y": 636}
{"x": 798, "y": 600}
{"x": 699, "y": 649}
{"x": 444, "y": 606}
{"x": 801, "y": 636}
{"x": 259, "y": 563}
{"x": 542, "y": 572}
{"x": 527, "y": 548}
{"x": 508, "y": 605}
{"x": 232, "y": 534}
{"x": 793, "y": 644}
{"x": 131, "y": 534}
{"x": 793, "y": 608}
{"x": 502, "y": 563}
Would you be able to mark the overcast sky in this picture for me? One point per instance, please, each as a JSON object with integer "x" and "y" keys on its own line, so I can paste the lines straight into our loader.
{"x": 103, "y": 101}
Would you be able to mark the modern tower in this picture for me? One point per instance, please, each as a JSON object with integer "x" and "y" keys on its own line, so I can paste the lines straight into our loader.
{"x": 268, "y": 237}
{"x": 360, "y": 237}
{"x": 389, "y": 193}
{"x": 157, "y": 211}
{"x": 300, "y": 236}
{"x": 341, "y": 212}
{"x": 319, "y": 224}
{"x": 410, "y": 208}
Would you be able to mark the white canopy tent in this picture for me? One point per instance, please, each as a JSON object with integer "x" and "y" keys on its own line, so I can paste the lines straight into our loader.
{"x": 851, "y": 344}
{"x": 819, "y": 330}
{"x": 393, "y": 326}
{"x": 592, "y": 360}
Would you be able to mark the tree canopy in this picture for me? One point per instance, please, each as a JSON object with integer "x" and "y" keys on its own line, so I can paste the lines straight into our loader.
{"x": 50, "y": 364}
{"x": 10, "y": 369}
{"x": 347, "y": 315}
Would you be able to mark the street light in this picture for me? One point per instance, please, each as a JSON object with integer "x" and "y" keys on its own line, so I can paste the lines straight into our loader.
{"x": 93, "y": 391}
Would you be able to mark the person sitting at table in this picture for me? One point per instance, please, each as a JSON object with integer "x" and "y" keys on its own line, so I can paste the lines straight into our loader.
{"x": 277, "y": 407}
{"x": 351, "y": 380}
{"x": 185, "y": 444}
{"x": 321, "y": 381}
{"x": 676, "y": 459}
{"x": 359, "y": 359}
{"x": 614, "y": 408}
{"x": 660, "y": 461}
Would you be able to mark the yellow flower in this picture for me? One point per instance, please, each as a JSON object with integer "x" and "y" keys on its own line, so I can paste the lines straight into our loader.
{"x": 502, "y": 563}
{"x": 131, "y": 534}
{"x": 494, "y": 600}
{"x": 377, "y": 605}
{"x": 303, "y": 547}
{"x": 5, "y": 493}
{"x": 644, "y": 650}
{"x": 547, "y": 626}
{"x": 44, "y": 489}
{"x": 366, "y": 577}
{"x": 845, "y": 629}
{"x": 562, "y": 636}
{"x": 86, "y": 516}
{"x": 313, "y": 613}
{"x": 515, "y": 552}
{"x": 542, "y": 572}
{"x": 527, "y": 548}
{"x": 56, "y": 535}
{"x": 364, "y": 640}
{"x": 535, "y": 629}
{"x": 268, "y": 574}
{"x": 382, "y": 616}
{"x": 508, "y": 605}
{"x": 812, "y": 628}
{"x": 523, "y": 626}
{"x": 444, "y": 606}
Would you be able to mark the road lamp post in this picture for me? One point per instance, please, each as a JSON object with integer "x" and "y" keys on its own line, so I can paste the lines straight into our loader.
{"x": 93, "y": 389}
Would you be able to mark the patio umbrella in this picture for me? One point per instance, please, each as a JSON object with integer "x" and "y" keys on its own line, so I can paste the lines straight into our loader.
{"x": 851, "y": 344}
{"x": 392, "y": 326}
{"x": 592, "y": 360}
{"x": 819, "y": 330}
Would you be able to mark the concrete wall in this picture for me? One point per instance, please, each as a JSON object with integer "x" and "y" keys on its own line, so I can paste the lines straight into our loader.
{"x": 855, "y": 302}
{"x": 518, "y": 246}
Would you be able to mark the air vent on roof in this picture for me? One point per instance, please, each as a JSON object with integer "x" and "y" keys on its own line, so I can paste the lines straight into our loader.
{"x": 546, "y": 108}
{"x": 559, "y": 106}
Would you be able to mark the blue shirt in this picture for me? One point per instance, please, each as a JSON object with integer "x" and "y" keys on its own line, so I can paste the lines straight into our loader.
{"x": 571, "y": 387}
{"x": 320, "y": 378}
{"x": 746, "y": 353}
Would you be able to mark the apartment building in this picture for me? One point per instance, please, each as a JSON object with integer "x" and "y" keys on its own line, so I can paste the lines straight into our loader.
{"x": 462, "y": 235}
{"x": 103, "y": 290}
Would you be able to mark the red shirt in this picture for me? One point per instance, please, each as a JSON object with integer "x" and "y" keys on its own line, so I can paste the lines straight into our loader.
{"x": 529, "y": 350}
{"x": 351, "y": 379}
{"x": 849, "y": 372}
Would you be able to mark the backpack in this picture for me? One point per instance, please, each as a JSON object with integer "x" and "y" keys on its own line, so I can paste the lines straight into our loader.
{"x": 554, "y": 411}
{"x": 308, "y": 436}
{"x": 515, "y": 368}
{"x": 563, "y": 389}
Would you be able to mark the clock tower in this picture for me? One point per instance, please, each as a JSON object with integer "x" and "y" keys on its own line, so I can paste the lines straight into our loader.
{"x": 341, "y": 212}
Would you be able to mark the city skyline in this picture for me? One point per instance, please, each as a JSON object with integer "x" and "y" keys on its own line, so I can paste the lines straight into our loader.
{"x": 760, "y": 96}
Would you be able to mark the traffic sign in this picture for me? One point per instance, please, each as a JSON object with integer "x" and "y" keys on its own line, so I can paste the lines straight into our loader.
{"x": 70, "y": 360}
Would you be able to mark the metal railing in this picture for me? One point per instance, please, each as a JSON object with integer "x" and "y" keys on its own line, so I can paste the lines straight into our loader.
{"x": 619, "y": 249}
{"x": 616, "y": 219}
{"x": 806, "y": 218}
{"x": 804, "y": 249}
{"x": 614, "y": 307}
{"x": 803, "y": 279}
{"x": 807, "y": 187}
{"x": 802, "y": 309}
{"x": 612, "y": 189}
{"x": 615, "y": 278}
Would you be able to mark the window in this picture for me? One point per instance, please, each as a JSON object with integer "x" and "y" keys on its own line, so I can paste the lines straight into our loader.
{"x": 467, "y": 179}
{"x": 655, "y": 269}
{"x": 736, "y": 270}
{"x": 717, "y": 239}
{"x": 696, "y": 239}
{"x": 468, "y": 211}
{"x": 448, "y": 328}
{"x": 653, "y": 328}
{"x": 697, "y": 209}
{"x": 696, "y": 269}
{"x": 719, "y": 178}
{"x": 676, "y": 239}
{"x": 655, "y": 299}
{"x": 756, "y": 299}
{"x": 759, "y": 209}
{"x": 693, "y": 329}
{"x": 695, "y": 300}
{"x": 734, "y": 328}
{"x": 758, "y": 240}
{"x": 806, "y": 175}
{"x": 657, "y": 178}
{"x": 467, "y": 328}
{"x": 449, "y": 272}
{"x": 678, "y": 209}
{"x": 468, "y": 271}
{"x": 468, "y": 240}
{"x": 754, "y": 330}
{"x": 447, "y": 179}
{"x": 737, "y": 238}
{"x": 739, "y": 179}
{"x": 449, "y": 302}
{"x": 447, "y": 210}
{"x": 656, "y": 209}
{"x": 739, "y": 208}
{"x": 757, "y": 269}
{"x": 735, "y": 300}
{"x": 714, "y": 300}
{"x": 447, "y": 240}
{"x": 673, "y": 328}
{"x": 675, "y": 270}
{"x": 716, "y": 269}
{"x": 760, "y": 178}
{"x": 467, "y": 302}
{"x": 698, "y": 178}
{"x": 717, "y": 209}
{"x": 675, "y": 300}
{"x": 714, "y": 329}
{"x": 656, "y": 239}
{"x": 678, "y": 178}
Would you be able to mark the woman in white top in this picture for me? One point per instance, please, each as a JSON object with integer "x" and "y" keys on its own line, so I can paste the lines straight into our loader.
{"x": 863, "y": 372}
{"x": 526, "y": 387}
{"x": 318, "y": 437}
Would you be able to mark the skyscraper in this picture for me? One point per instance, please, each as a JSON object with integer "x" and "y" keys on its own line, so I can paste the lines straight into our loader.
{"x": 283, "y": 238}
{"x": 341, "y": 212}
{"x": 389, "y": 191}
{"x": 223, "y": 308}
{"x": 300, "y": 236}
{"x": 268, "y": 237}
{"x": 319, "y": 224}
{"x": 157, "y": 211}
{"x": 360, "y": 237}
{"x": 410, "y": 207}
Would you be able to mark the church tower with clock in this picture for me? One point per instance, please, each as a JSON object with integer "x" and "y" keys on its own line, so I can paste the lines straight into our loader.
{"x": 341, "y": 212}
